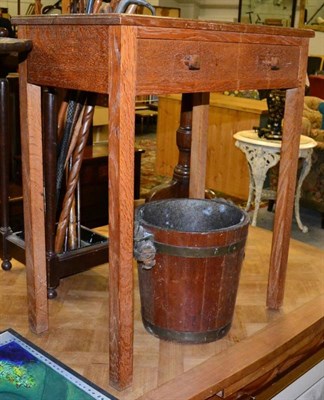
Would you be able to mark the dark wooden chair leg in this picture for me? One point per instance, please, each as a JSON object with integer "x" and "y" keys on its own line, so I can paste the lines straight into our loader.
{"x": 4, "y": 172}
{"x": 49, "y": 144}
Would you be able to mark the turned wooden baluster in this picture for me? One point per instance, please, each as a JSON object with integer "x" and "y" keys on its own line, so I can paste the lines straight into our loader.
{"x": 178, "y": 186}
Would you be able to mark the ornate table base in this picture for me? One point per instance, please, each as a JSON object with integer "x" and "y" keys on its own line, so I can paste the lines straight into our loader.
{"x": 262, "y": 155}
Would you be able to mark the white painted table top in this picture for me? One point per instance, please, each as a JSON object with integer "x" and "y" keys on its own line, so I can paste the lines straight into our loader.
{"x": 252, "y": 137}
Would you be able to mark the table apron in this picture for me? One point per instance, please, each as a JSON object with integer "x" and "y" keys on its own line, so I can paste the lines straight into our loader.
{"x": 163, "y": 66}
{"x": 200, "y": 66}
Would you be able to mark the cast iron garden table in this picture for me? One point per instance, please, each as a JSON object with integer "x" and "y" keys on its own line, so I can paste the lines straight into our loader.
{"x": 261, "y": 155}
{"x": 124, "y": 56}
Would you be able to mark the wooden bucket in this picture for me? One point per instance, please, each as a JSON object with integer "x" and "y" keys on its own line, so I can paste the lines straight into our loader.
{"x": 189, "y": 256}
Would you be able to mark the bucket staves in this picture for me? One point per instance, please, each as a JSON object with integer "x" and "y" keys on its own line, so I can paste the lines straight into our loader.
{"x": 189, "y": 254}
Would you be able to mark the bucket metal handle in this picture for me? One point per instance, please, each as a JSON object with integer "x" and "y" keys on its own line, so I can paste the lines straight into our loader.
{"x": 144, "y": 249}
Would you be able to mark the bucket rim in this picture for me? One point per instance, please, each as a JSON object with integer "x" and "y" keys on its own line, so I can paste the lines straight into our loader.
{"x": 244, "y": 220}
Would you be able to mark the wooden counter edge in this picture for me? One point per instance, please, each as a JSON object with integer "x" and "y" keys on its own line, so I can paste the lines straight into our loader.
{"x": 230, "y": 102}
{"x": 285, "y": 338}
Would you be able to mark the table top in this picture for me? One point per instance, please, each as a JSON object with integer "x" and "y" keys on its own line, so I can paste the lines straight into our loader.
{"x": 154, "y": 21}
{"x": 185, "y": 56}
{"x": 252, "y": 137}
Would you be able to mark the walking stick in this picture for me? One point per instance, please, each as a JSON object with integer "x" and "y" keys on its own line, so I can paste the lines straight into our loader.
{"x": 122, "y": 6}
{"x": 74, "y": 173}
{"x": 74, "y": 232}
{"x": 75, "y": 136}
{"x": 74, "y": 108}
{"x": 63, "y": 146}
{"x": 73, "y": 238}
{"x": 61, "y": 119}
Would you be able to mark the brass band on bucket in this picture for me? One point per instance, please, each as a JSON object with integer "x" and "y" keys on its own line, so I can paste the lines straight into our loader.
{"x": 198, "y": 252}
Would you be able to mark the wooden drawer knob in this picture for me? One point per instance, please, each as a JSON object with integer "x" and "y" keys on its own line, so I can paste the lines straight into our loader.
{"x": 192, "y": 61}
{"x": 271, "y": 62}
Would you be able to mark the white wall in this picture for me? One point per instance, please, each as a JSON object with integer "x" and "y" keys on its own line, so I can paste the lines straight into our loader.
{"x": 219, "y": 13}
{"x": 220, "y": 10}
{"x": 316, "y": 45}
{"x": 12, "y": 5}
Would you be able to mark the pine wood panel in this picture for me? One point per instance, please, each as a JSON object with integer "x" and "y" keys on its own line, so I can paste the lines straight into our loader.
{"x": 258, "y": 337}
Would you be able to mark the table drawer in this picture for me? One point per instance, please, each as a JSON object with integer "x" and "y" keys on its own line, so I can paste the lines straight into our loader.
{"x": 274, "y": 65}
{"x": 168, "y": 65}
{"x": 173, "y": 67}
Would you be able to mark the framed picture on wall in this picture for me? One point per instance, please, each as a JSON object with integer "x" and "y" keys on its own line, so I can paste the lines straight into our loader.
{"x": 267, "y": 12}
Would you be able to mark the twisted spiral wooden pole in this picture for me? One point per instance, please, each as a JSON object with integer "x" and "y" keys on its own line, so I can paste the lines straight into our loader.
{"x": 73, "y": 235}
{"x": 73, "y": 176}
{"x": 75, "y": 135}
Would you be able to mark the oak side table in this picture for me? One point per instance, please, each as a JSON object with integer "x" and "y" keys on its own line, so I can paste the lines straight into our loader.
{"x": 124, "y": 56}
{"x": 261, "y": 155}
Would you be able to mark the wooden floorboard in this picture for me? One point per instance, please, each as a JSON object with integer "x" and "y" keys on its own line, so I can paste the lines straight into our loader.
{"x": 78, "y": 334}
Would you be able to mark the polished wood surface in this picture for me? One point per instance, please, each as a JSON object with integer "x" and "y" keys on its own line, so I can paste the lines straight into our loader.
{"x": 109, "y": 54}
{"x": 260, "y": 346}
{"x": 226, "y": 171}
